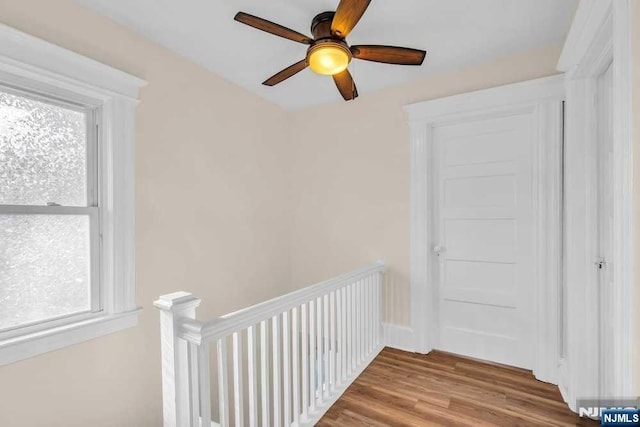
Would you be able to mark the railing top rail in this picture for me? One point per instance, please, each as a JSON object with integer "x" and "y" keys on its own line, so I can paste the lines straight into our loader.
{"x": 197, "y": 332}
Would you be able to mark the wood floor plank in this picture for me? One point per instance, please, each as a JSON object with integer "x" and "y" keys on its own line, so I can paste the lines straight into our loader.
{"x": 443, "y": 389}
{"x": 449, "y": 387}
{"x": 419, "y": 372}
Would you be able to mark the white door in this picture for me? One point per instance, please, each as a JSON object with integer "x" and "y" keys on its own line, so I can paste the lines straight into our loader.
{"x": 484, "y": 237}
{"x": 605, "y": 228}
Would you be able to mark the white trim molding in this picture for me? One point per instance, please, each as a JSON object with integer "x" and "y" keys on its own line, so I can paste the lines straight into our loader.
{"x": 29, "y": 56}
{"x": 588, "y": 20}
{"x": 22, "y": 347}
{"x": 600, "y": 36}
{"x": 543, "y": 97}
{"x": 34, "y": 65}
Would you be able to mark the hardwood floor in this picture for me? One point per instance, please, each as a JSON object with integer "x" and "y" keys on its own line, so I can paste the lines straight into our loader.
{"x": 406, "y": 389}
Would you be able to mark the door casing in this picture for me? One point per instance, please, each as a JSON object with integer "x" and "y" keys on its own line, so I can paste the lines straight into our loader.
{"x": 600, "y": 35}
{"x": 544, "y": 99}
{"x": 605, "y": 230}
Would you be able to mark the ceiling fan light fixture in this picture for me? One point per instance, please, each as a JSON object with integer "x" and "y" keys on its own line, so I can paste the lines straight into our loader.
{"x": 328, "y": 53}
{"x": 328, "y": 58}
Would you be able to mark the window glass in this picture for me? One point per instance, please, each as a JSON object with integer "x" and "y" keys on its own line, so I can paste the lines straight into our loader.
{"x": 43, "y": 155}
{"x": 45, "y": 257}
{"x": 44, "y": 267}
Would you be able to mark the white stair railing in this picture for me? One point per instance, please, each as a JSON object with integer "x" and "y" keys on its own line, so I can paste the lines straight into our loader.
{"x": 291, "y": 357}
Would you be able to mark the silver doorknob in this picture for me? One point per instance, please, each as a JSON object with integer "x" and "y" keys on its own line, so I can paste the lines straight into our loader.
{"x": 438, "y": 249}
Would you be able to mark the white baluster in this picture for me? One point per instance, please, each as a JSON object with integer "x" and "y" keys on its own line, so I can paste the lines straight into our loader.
{"x": 194, "y": 384}
{"x": 275, "y": 346}
{"x": 304, "y": 316}
{"x": 346, "y": 307}
{"x": 365, "y": 323}
{"x": 365, "y": 326}
{"x": 319, "y": 351}
{"x": 223, "y": 382}
{"x": 286, "y": 370}
{"x": 363, "y": 319}
{"x": 295, "y": 342}
{"x": 204, "y": 359}
{"x": 374, "y": 321}
{"x": 238, "y": 396}
{"x": 312, "y": 356}
{"x": 369, "y": 313}
{"x": 359, "y": 333}
{"x": 366, "y": 310}
{"x": 325, "y": 348}
{"x": 343, "y": 329}
{"x": 339, "y": 346}
{"x": 264, "y": 374}
{"x": 362, "y": 331}
{"x": 252, "y": 377}
{"x": 353, "y": 337}
{"x": 333, "y": 348}
{"x": 378, "y": 308}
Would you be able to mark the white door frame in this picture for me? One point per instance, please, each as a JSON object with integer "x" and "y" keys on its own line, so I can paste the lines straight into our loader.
{"x": 544, "y": 97}
{"x": 599, "y": 36}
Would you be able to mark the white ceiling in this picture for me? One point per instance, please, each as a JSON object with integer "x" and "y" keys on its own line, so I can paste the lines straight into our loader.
{"x": 455, "y": 33}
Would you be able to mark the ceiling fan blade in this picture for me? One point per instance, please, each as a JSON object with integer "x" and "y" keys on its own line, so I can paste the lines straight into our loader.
{"x": 286, "y": 73}
{"x": 389, "y": 54}
{"x": 347, "y": 16}
{"x": 272, "y": 28}
{"x": 346, "y": 85}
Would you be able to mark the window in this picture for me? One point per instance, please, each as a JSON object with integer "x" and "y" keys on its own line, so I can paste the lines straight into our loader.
{"x": 66, "y": 197}
{"x": 49, "y": 218}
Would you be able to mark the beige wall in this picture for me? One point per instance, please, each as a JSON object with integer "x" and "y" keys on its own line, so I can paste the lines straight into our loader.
{"x": 351, "y": 175}
{"x": 635, "y": 48}
{"x": 211, "y": 219}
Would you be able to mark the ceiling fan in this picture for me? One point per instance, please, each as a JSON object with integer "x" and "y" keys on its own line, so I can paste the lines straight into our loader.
{"x": 328, "y": 52}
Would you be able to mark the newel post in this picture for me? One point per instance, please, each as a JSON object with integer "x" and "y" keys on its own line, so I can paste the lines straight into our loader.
{"x": 175, "y": 363}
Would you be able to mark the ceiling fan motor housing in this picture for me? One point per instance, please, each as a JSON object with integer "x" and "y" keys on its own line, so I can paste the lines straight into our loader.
{"x": 321, "y": 25}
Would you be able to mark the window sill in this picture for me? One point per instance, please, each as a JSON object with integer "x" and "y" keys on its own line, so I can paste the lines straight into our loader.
{"x": 29, "y": 345}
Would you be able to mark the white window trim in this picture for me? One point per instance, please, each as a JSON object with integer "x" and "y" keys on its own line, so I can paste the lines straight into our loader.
{"x": 34, "y": 64}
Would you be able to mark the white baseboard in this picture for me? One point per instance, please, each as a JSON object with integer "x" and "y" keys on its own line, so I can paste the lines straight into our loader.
{"x": 399, "y": 337}
{"x": 564, "y": 386}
